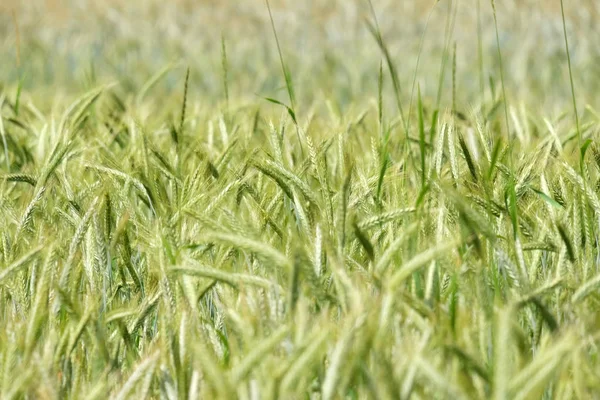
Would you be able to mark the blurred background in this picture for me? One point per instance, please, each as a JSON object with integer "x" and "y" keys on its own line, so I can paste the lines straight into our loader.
{"x": 64, "y": 47}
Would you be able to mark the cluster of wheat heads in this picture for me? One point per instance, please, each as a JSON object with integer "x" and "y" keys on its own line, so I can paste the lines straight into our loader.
{"x": 225, "y": 256}
{"x": 227, "y": 251}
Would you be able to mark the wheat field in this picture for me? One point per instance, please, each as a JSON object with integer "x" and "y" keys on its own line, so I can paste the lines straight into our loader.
{"x": 299, "y": 200}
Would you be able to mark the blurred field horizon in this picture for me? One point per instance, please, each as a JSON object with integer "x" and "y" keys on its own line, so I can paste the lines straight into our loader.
{"x": 319, "y": 199}
{"x": 70, "y": 45}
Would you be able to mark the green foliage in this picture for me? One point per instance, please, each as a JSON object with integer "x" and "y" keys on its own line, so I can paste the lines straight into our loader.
{"x": 165, "y": 245}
